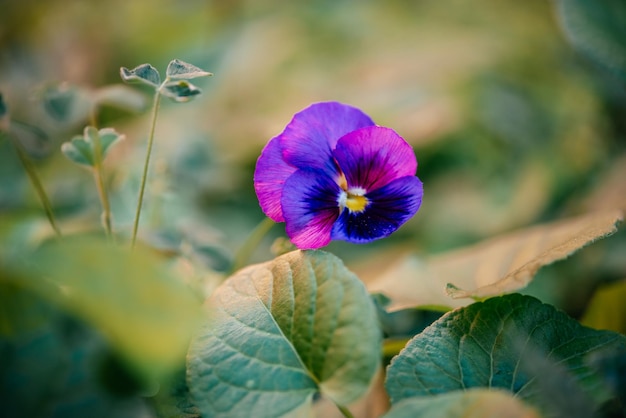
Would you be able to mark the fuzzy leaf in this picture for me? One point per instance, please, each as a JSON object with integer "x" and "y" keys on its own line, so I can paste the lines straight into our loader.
{"x": 472, "y": 403}
{"x": 499, "y": 265}
{"x": 178, "y": 69}
{"x": 180, "y": 91}
{"x": 281, "y": 331}
{"x": 81, "y": 149}
{"x": 60, "y": 101}
{"x": 514, "y": 343}
{"x": 145, "y": 73}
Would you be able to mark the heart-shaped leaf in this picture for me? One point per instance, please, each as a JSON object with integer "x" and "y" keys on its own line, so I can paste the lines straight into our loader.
{"x": 472, "y": 403}
{"x": 514, "y": 343}
{"x": 82, "y": 149}
{"x": 180, "y": 91}
{"x": 144, "y": 73}
{"x": 281, "y": 331}
{"x": 499, "y": 265}
{"x": 178, "y": 69}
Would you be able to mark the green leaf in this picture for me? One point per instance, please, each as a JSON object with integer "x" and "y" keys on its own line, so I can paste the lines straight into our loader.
{"x": 472, "y": 403}
{"x": 59, "y": 101}
{"x": 281, "y": 331}
{"x": 81, "y": 149}
{"x": 607, "y": 309}
{"x": 178, "y": 69}
{"x": 597, "y": 29}
{"x": 4, "y": 114}
{"x": 146, "y": 314}
{"x": 180, "y": 91}
{"x": 120, "y": 96}
{"x": 145, "y": 73}
{"x": 512, "y": 342}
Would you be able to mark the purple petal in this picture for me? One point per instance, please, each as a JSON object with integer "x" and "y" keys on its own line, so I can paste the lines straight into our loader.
{"x": 388, "y": 208}
{"x": 373, "y": 157}
{"x": 310, "y": 208}
{"x": 309, "y": 138}
{"x": 269, "y": 176}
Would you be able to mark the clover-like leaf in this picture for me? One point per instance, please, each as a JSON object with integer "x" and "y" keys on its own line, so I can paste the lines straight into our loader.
{"x": 178, "y": 69}
{"x": 180, "y": 91}
{"x": 514, "y": 343}
{"x": 60, "y": 101}
{"x": 281, "y": 331}
{"x": 472, "y": 403}
{"x": 144, "y": 73}
{"x": 82, "y": 149}
{"x": 493, "y": 267}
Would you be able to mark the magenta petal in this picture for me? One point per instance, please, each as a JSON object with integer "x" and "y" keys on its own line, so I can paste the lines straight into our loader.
{"x": 269, "y": 176}
{"x": 374, "y": 156}
{"x": 389, "y": 207}
{"x": 309, "y": 138}
{"x": 310, "y": 208}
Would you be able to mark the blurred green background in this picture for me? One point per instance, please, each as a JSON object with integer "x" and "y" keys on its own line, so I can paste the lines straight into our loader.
{"x": 516, "y": 111}
{"x": 512, "y": 125}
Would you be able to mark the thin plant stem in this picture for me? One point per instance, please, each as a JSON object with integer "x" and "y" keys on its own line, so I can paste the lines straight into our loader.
{"x": 144, "y": 176}
{"x": 345, "y": 411}
{"x": 36, "y": 182}
{"x": 253, "y": 240}
{"x": 104, "y": 200}
{"x": 98, "y": 177}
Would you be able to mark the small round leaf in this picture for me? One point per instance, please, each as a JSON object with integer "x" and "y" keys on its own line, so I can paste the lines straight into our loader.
{"x": 180, "y": 91}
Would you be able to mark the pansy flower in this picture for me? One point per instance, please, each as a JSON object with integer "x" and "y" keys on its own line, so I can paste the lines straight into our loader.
{"x": 333, "y": 174}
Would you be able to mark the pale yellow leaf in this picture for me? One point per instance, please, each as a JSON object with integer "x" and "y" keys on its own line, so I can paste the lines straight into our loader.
{"x": 496, "y": 266}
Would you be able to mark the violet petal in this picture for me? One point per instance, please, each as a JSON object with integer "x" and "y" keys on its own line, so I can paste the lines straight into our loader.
{"x": 269, "y": 176}
{"x": 309, "y": 203}
{"x": 374, "y": 156}
{"x": 308, "y": 140}
{"x": 389, "y": 207}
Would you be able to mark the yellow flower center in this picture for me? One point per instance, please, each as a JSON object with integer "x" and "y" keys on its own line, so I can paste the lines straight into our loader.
{"x": 356, "y": 203}
{"x": 352, "y": 198}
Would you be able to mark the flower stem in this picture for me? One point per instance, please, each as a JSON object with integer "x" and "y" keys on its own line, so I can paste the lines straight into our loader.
{"x": 98, "y": 177}
{"x": 253, "y": 240}
{"x": 144, "y": 176}
{"x": 345, "y": 411}
{"x": 36, "y": 182}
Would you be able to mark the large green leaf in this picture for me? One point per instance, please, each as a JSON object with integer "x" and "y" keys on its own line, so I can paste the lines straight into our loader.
{"x": 281, "y": 331}
{"x": 146, "y": 314}
{"x": 597, "y": 28}
{"x": 472, "y": 403}
{"x": 512, "y": 342}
